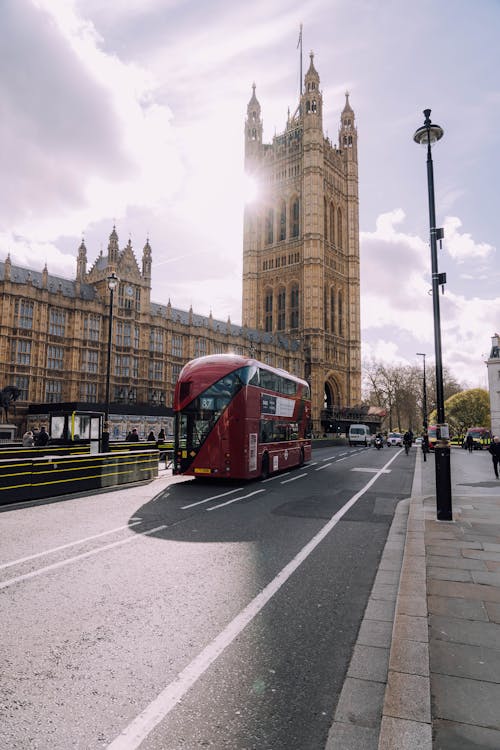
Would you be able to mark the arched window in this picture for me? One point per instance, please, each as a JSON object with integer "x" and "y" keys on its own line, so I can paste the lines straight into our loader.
{"x": 294, "y": 306}
{"x": 340, "y": 313}
{"x": 268, "y": 310}
{"x": 314, "y": 106}
{"x": 339, "y": 227}
{"x": 308, "y": 107}
{"x": 332, "y": 309}
{"x": 325, "y": 309}
{"x": 295, "y": 217}
{"x": 332, "y": 224}
{"x": 281, "y": 309}
{"x": 270, "y": 226}
{"x": 282, "y": 235}
{"x": 325, "y": 219}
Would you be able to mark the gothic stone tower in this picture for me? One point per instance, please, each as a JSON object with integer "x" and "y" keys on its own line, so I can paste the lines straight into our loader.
{"x": 301, "y": 245}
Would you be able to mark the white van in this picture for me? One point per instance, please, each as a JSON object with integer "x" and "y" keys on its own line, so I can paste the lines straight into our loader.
{"x": 359, "y": 434}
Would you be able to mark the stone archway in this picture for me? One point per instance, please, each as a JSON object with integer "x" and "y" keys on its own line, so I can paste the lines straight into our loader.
{"x": 332, "y": 400}
{"x": 331, "y": 394}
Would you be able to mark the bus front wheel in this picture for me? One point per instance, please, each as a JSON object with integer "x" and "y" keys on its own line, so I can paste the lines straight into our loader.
{"x": 264, "y": 468}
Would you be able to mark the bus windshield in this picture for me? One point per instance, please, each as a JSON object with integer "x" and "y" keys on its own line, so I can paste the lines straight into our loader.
{"x": 199, "y": 417}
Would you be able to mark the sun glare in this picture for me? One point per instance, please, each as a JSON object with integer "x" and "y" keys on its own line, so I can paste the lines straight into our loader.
{"x": 249, "y": 189}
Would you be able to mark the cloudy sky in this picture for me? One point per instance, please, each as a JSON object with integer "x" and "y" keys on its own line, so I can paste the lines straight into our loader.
{"x": 132, "y": 113}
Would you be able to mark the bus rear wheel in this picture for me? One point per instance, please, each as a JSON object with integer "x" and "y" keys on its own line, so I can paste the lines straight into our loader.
{"x": 264, "y": 468}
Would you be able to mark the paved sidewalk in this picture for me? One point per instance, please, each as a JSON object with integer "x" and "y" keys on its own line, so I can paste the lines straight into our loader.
{"x": 425, "y": 671}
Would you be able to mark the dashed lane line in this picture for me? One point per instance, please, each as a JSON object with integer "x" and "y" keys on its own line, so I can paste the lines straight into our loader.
{"x": 69, "y": 560}
{"x": 293, "y": 479}
{"x": 235, "y": 500}
{"x": 139, "y": 728}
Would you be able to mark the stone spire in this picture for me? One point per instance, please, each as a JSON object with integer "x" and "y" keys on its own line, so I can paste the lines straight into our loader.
{"x": 81, "y": 263}
{"x": 146, "y": 261}
{"x": 113, "y": 249}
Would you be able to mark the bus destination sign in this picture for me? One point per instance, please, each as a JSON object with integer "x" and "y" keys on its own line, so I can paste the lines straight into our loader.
{"x": 276, "y": 405}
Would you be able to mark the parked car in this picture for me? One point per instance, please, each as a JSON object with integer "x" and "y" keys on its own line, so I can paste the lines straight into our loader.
{"x": 395, "y": 438}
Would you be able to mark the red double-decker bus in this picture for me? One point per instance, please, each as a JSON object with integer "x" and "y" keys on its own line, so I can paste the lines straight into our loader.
{"x": 238, "y": 418}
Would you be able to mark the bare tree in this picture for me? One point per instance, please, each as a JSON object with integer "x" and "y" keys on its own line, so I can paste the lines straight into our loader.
{"x": 399, "y": 389}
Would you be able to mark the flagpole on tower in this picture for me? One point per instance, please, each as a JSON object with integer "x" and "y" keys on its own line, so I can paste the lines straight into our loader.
{"x": 299, "y": 44}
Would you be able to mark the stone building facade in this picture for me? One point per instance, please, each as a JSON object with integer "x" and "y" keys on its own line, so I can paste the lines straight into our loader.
{"x": 54, "y": 338}
{"x": 301, "y": 298}
{"x": 301, "y": 245}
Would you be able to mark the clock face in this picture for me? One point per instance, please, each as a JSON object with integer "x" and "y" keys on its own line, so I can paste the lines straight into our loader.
{"x": 129, "y": 291}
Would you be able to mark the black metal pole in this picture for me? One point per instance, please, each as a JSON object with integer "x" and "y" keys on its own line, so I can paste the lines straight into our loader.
{"x": 105, "y": 433}
{"x": 425, "y": 424}
{"x": 442, "y": 448}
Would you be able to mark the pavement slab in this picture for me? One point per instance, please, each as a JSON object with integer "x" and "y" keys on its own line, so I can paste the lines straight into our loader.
{"x": 437, "y": 646}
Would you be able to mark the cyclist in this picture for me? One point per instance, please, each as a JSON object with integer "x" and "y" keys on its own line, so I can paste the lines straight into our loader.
{"x": 407, "y": 440}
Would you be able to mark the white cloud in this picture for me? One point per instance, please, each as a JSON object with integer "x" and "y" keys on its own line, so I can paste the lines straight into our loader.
{"x": 99, "y": 143}
{"x": 382, "y": 350}
{"x": 396, "y": 308}
{"x": 35, "y": 254}
{"x": 461, "y": 246}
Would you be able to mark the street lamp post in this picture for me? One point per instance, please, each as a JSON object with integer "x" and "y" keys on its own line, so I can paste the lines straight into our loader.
{"x": 112, "y": 284}
{"x": 425, "y": 424}
{"x": 426, "y": 135}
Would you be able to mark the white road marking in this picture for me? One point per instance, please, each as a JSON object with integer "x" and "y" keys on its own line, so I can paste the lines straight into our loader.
{"x": 329, "y": 458}
{"x": 138, "y": 729}
{"x": 278, "y": 476}
{"x": 313, "y": 463}
{"x": 65, "y": 546}
{"x": 61, "y": 563}
{"x": 235, "y": 500}
{"x": 323, "y": 467}
{"x": 371, "y": 471}
{"x": 214, "y": 497}
{"x": 342, "y": 459}
{"x": 299, "y": 476}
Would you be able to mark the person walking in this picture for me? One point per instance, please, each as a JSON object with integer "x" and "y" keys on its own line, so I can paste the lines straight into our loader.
{"x": 151, "y": 437}
{"x": 42, "y": 437}
{"x": 469, "y": 443}
{"x": 28, "y": 439}
{"x": 494, "y": 449}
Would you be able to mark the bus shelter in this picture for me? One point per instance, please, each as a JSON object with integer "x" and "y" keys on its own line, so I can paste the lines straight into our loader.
{"x": 73, "y": 427}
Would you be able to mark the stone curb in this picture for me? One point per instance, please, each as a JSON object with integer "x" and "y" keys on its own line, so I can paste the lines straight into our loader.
{"x": 357, "y": 719}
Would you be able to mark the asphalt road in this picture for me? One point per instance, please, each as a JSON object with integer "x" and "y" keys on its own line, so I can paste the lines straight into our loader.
{"x": 186, "y": 615}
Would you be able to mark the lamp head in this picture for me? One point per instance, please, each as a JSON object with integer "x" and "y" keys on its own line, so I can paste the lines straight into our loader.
{"x": 429, "y": 132}
{"x": 112, "y": 281}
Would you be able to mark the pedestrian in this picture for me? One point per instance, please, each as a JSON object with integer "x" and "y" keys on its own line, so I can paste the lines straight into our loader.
{"x": 134, "y": 436}
{"x": 161, "y": 436}
{"x": 28, "y": 439}
{"x": 42, "y": 437}
{"x": 494, "y": 449}
{"x": 151, "y": 437}
{"x": 469, "y": 443}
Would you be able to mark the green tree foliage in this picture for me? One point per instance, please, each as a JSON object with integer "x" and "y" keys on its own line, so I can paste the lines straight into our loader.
{"x": 466, "y": 409}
